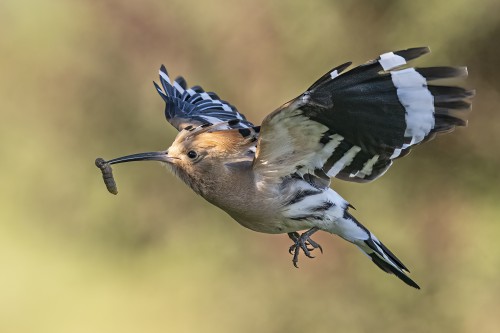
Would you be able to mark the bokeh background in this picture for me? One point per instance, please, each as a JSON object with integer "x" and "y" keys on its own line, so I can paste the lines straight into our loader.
{"x": 75, "y": 83}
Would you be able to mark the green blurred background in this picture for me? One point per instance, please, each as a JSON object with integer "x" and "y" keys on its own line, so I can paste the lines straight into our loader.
{"x": 75, "y": 83}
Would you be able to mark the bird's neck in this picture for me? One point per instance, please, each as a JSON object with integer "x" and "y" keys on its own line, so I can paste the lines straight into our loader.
{"x": 230, "y": 186}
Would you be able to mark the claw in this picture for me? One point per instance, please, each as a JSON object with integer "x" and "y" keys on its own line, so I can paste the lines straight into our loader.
{"x": 303, "y": 242}
{"x": 315, "y": 245}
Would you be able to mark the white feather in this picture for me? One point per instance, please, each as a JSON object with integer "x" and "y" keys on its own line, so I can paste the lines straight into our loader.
{"x": 418, "y": 102}
{"x": 205, "y": 96}
{"x": 367, "y": 168}
{"x": 390, "y": 60}
{"x": 343, "y": 161}
{"x": 164, "y": 76}
{"x": 210, "y": 119}
{"x": 327, "y": 151}
{"x": 178, "y": 87}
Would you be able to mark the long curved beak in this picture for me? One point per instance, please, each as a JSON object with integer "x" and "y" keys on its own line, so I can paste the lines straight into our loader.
{"x": 161, "y": 156}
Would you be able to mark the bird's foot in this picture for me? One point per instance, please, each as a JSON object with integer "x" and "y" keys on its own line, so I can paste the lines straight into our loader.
{"x": 303, "y": 242}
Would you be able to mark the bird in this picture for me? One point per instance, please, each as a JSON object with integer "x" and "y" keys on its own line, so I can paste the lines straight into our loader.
{"x": 275, "y": 178}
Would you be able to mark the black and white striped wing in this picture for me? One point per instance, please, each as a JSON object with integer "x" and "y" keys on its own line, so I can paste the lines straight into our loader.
{"x": 193, "y": 106}
{"x": 353, "y": 125}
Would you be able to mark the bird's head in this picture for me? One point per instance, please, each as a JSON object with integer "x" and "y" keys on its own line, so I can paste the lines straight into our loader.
{"x": 197, "y": 153}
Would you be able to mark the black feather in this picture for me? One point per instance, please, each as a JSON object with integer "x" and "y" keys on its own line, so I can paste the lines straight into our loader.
{"x": 456, "y": 105}
{"x": 447, "y": 94}
{"x": 413, "y": 53}
{"x": 392, "y": 270}
{"x": 301, "y": 195}
{"x": 327, "y": 77}
{"x": 437, "y": 73}
{"x": 233, "y": 122}
{"x": 244, "y": 132}
{"x": 371, "y": 243}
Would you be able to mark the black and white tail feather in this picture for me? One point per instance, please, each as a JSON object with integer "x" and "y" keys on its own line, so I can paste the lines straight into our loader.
{"x": 378, "y": 252}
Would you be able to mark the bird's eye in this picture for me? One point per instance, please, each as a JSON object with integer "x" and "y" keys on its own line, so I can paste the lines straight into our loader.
{"x": 192, "y": 154}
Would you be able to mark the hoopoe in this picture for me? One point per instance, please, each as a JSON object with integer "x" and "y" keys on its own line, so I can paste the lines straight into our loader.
{"x": 275, "y": 178}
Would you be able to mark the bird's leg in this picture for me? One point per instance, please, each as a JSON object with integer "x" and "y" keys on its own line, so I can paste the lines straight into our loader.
{"x": 303, "y": 242}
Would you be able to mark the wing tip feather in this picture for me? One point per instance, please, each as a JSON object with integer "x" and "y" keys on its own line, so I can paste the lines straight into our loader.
{"x": 413, "y": 53}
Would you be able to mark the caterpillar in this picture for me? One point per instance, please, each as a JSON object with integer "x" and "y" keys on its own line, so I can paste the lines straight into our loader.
{"x": 107, "y": 175}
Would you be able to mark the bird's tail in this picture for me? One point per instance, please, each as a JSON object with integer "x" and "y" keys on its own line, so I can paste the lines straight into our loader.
{"x": 353, "y": 231}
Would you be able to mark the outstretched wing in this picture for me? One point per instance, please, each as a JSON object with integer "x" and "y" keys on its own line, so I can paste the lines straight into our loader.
{"x": 193, "y": 106}
{"x": 353, "y": 125}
